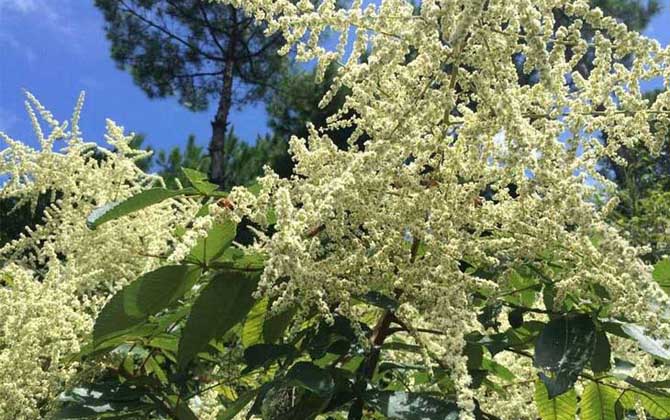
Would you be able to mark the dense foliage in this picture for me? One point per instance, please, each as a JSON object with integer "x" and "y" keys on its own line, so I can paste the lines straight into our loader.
{"x": 451, "y": 260}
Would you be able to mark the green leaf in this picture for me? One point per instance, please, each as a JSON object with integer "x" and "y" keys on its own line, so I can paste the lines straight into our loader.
{"x": 252, "y": 331}
{"x": 233, "y": 409}
{"x": 311, "y": 377}
{"x": 212, "y": 246}
{"x": 600, "y": 361}
{"x": 497, "y": 369}
{"x": 224, "y": 302}
{"x": 236, "y": 259}
{"x": 199, "y": 181}
{"x": 475, "y": 355}
{"x": 661, "y": 274}
{"x": 411, "y": 405}
{"x": 149, "y": 294}
{"x": 562, "y": 350}
{"x": 562, "y": 407}
{"x": 276, "y": 324}
{"x": 112, "y": 211}
{"x": 523, "y": 289}
{"x": 656, "y": 405}
{"x": 598, "y": 401}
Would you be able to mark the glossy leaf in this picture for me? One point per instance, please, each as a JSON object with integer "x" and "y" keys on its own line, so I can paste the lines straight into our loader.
{"x": 411, "y": 405}
{"x": 149, "y": 294}
{"x": 137, "y": 202}
{"x": 562, "y": 351}
{"x": 107, "y": 399}
{"x": 224, "y": 302}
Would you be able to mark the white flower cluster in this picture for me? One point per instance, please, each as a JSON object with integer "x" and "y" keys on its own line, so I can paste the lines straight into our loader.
{"x": 56, "y": 276}
{"x": 445, "y": 117}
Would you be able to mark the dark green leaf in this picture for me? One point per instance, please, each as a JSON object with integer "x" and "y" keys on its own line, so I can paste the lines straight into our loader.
{"x": 139, "y": 201}
{"x": 149, "y": 294}
{"x": 263, "y": 355}
{"x": 600, "y": 361}
{"x": 475, "y": 355}
{"x": 224, "y": 302}
{"x": 106, "y": 399}
{"x": 311, "y": 377}
{"x": 564, "y": 347}
{"x": 276, "y": 324}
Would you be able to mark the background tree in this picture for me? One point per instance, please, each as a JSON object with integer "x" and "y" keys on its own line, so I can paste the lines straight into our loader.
{"x": 644, "y": 193}
{"x": 196, "y": 50}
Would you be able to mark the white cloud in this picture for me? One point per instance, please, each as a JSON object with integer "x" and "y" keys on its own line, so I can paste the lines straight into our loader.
{"x": 23, "y": 6}
{"x": 60, "y": 17}
{"x": 8, "y": 39}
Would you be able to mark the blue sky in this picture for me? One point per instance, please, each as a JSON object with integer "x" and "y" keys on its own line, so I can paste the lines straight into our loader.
{"x": 56, "y": 48}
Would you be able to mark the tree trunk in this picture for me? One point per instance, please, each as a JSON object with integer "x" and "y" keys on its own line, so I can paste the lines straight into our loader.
{"x": 217, "y": 168}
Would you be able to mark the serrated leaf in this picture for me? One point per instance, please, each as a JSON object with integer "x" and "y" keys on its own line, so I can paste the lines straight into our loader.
{"x": 146, "y": 198}
{"x": 224, "y": 302}
{"x": 199, "y": 181}
{"x": 149, "y": 294}
{"x": 598, "y": 402}
{"x": 562, "y": 351}
{"x": 562, "y": 407}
